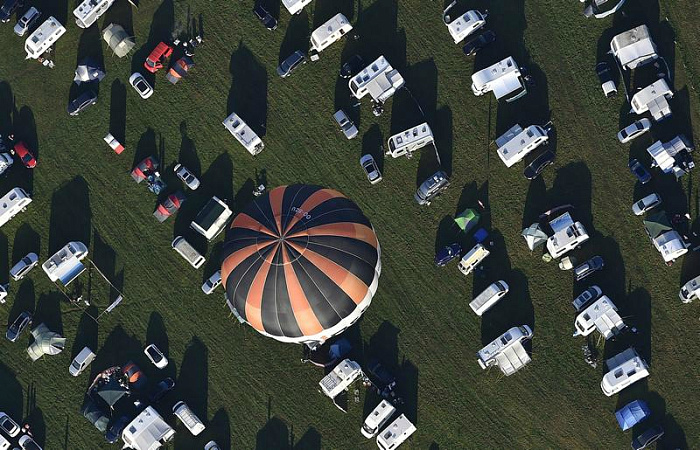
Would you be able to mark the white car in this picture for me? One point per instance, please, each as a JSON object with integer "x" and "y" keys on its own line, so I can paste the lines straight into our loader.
{"x": 371, "y": 169}
{"x": 212, "y": 283}
{"x": 8, "y": 425}
{"x": 186, "y": 176}
{"x": 212, "y": 445}
{"x": 141, "y": 85}
{"x": 634, "y": 130}
{"x": 26, "y": 442}
{"x": 6, "y": 161}
{"x": 24, "y": 265}
{"x": 156, "y": 356}
{"x": 81, "y": 361}
{"x": 645, "y": 204}
{"x": 26, "y": 21}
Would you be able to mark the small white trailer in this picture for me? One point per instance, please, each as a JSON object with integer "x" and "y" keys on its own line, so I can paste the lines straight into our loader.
{"x": 379, "y": 80}
{"x": 653, "y": 98}
{"x": 517, "y": 142}
{"x": 295, "y": 6}
{"x": 396, "y": 433}
{"x": 328, "y": 33}
{"x": 13, "y": 203}
{"x": 672, "y": 156}
{"x": 634, "y": 47}
{"x": 88, "y": 11}
{"x": 464, "y": 24}
{"x": 567, "y": 235}
{"x": 503, "y": 78}
{"x": 43, "y": 38}
{"x": 690, "y": 290}
{"x": 244, "y": 134}
{"x": 340, "y": 378}
{"x": 408, "y": 141}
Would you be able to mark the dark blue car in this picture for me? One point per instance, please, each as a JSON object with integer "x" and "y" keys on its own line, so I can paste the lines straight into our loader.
{"x": 639, "y": 171}
{"x": 115, "y": 431}
{"x": 447, "y": 254}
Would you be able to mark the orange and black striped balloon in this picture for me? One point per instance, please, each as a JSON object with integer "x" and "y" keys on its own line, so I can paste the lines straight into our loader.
{"x": 301, "y": 263}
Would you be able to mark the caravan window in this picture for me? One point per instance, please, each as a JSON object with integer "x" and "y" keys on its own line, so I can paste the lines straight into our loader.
{"x": 13, "y": 196}
{"x": 618, "y": 373}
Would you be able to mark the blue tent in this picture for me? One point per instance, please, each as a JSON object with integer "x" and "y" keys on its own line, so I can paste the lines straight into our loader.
{"x": 632, "y": 413}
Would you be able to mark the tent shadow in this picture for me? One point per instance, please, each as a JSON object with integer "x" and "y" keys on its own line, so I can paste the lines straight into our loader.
{"x": 274, "y": 434}
{"x": 117, "y": 111}
{"x": 310, "y": 440}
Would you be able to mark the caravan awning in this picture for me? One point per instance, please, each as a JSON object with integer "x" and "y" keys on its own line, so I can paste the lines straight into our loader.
{"x": 72, "y": 273}
{"x": 505, "y": 85}
{"x": 512, "y": 359}
{"x": 562, "y": 222}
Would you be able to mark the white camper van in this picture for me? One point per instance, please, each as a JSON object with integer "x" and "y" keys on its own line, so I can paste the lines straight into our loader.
{"x": 188, "y": 252}
{"x": 472, "y": 259}
{"x": 65, "y": 265}
{"x": 396, "y": 433}
{"x": 406, "y": 142}
{"x": 12, "y": 204}
{"x": 377, "y": 418}
{"x": 690, "y": 290}
{"x": 43, "y": 38}
{"x": 212, "y": 219}
{"x": 503, "y": 78}
{"x": 328, "y": 33}
{"x": 653, "y": 98}
{"x": 340, "y": 378}
{"x": 464, "y": 25}
{"x": 88, "y": 11}
{"x": 623, "y": 369}
{"x": 517, "y": 142}
{"x": 295, "y": 6}
{"x": 634, "y": 47}
{"x": 601, "y": 315}
{"x": 244, "y": 134}
{"x": 489, "y": 297}
{"x": 379, "y": 80}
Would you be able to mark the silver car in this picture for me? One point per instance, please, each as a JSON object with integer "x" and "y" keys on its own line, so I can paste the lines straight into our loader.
{"x": 212, "y": 283}
{"x": 634, "y": 130}
{"x": 24, "y": 265}
{"x": 26, "y": 21}
{"x": 14, "y": 331}
{"x": 645, "y": 204}
{"x": 371, "y": 170}
{"x": 186, "y": 176}
{"x": 349, "y": 128}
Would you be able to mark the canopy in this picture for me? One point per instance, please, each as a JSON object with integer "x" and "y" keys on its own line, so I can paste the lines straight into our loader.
{"x": 301, "y": 263}
{"x": 657, "y": 224}
{"x": 534, "y": 236}
{"x": 46, "y": 342}
{"x": 118, "y": 40}
{"x": 111, "y": 392}
{"x": 632, "y": 413}
{"x": 94, "y": 414}
{"x": 467, "y": 219}
{"x": 88, "y": 71}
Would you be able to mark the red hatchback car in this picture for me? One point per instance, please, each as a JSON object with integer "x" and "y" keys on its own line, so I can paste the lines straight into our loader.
{"x": 25, "y": 155}
{"x": 158, "y": 56}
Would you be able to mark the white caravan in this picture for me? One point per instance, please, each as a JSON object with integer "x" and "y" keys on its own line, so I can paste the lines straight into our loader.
{"x": 244, "y": 134}
{"x": 340, "y": 378}
{"x": 295, "y": 6}
{"x": 396, "y": 433}
{"x": 65, "y": 265}
{"x": 89, "y": 11}
{"x": 489, "y": 297}
{"x": 377, "y": 418}
{"x": 43, "y": 38}
{"x": 464, "y": 25}
{"x": 517, "y": 142}
{"x": 666, "y": 240}
{"x": 472, "y": 259}
{"x": 653, "y": 98}
{"x": 634, "y": 47}
{"x": 406, "y": 142}
{"x": 148, "y": 431}
{"x": 379, "y": 80}
{"x": 503, "y": 78}
{"x": 13, "y": 203}
{"x": 601, "y": 315}
{"x": 672, "y": 156}
{"x": 690, "y": 290}
{"x": 328, "y": 33}
{"x": 623, "y": 369}
{"x": 212, "y": 218}
{"x": 507, "y": 351}
{"x": 567, "y": 235}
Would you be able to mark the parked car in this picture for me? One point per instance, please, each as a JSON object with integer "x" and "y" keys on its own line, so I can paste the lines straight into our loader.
{"x": 607, "y": 82}
{"x": 473, "y": 46}
{"x": 114, "y": 433}
{"x": 650, "y": 201}
{"x": 15, "y": 329}
{"x": 22, "y": 151}
{"x": 188, "y": 418}
{"x": 352, "y": 66}
{"x": 158, "y": 57}
{"x": 26, "y": 22}
{"x": 26, "y": 442}
{"x": 169, "y": 206}
{"x": 8, "y": 425}
{"x": 156, "y": 356}
{"x": 138, "y": 82}
{"x": 432, "y": 187}
{"x": 447, "y": 254}
{"x": 8, "y": 8}
{"x": 24, "y": 265}
{"x": 162, "y": 388}
{"x": 81, "y": 361}
{"x": 212, "y": 445}
{"x": 647, "y": 438}
{"x": 6, "y": 161}
{"x": 587, "y": 296}
{"x": 349, "y": 129}
{"x": 293, "y": 61}
{"x": 369, "y": 165}
{"x": 537, "y": 165}
{"x": 265, "y": 17}
{"x": 212, "y": 283}
{"x": 634, "y": 130}
{"x": 587, "y": 268}
{"x": 82, "y": 102}
{"x": 186, "y": 176}
{"x": 137, "y": 379}
{"x": 639, "y": 171}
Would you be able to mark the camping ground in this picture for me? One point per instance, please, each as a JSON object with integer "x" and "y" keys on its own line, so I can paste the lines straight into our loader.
{"x": 253, "y": 392}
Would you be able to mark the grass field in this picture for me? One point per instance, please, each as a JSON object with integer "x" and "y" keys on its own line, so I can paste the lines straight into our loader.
{"x": 252, "y": 391}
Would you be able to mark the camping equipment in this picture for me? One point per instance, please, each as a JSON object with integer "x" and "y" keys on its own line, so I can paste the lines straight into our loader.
{"x": 467, "y": 219}
{"x": 632, "y": 413}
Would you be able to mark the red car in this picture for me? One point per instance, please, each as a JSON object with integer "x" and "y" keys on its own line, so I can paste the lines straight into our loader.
{"x": 25, "y": 155}
{"x": 158, "y": 56}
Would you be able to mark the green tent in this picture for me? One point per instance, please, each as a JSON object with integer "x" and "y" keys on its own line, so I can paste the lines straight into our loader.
{"x": 467, "y": 219}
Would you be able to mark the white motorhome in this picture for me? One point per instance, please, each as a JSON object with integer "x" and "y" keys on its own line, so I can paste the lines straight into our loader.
{"x": 634, "y": 47}
{"x": 65, "y": 265}
{"x": 396, "y": 433}
{"x": 188, "y": 252}
{"x": 188, "y": 418}
{"x": 88, "y": 11}
{"x": 379, "y": 80}
{"x": 406, "y": 142}
{"x": 331, "y": 31}
{"x": 690, "y": 290}
{"x": 212, "y": 219}
{"x": 244, "y": 134}
{"x": 567, "y": 235}
{"x": 340, "y": 378}
{"x": 517, "y": 142}
{"x": 672, "y": 156}
{"x": 507, "y": 351}
{"x": 653, "y": 98}
{"x": 503, "y": 78}
{"x": 489, "y": 297}
{"x": 13, "y": 203}
{"x": 148, "y": 431}
{"x": 43, "y": 38}
{"x": 377, "y": 418}
{"x": 464, "y": 25}
{"x": 601, "y": 315}
{"x": 472, "y": 259}
{"x": 295, "y": 6}
{"x": 623, "y": 369}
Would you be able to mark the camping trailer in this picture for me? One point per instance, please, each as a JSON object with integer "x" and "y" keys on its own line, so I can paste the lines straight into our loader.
{"x": 634, "y": 47}
{"x": 507, "y": 351}
{"x": 396, "y": 433}
{"x": 340, "y": 378}
{"x": 406, "y": 142}
{"x": 666, "y": 240}
{"x": 13, "y": 203}
{"x": 148, "y": 431}
{"x": 624, "y": 369}
{"x": 653, "y": 98}
{"x": 567, "y": 235}
{"x": 489, "y": 297}
{"x": 43, "y": 38}
{"x": 212, "y": 219}
{"x": 379, "y": 80}
{"x": 672, "y": 156}
{"x": 503, "y": 78}
{"x": 377, "y": 418}
{"x": 65, "y": 265}
{"x": 295, "y": 6}
{"x": 601, "y": 315}
{"x": 517, "y": 142}
{"x": 690, "y": 290}
{"x": 89, "y": 11}
{"x": 244, "y": 134}
{"x": 331, "y": 31}
{"x": 472, "y": 259}
{"x": 464, "y": 25}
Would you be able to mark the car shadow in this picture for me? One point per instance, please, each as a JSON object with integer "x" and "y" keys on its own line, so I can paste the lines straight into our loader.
{"x": 372, "y": 144}
{"x": 24, "y": 300}
{"x": 13, "y": 398}
{"x": 117, "y": 112}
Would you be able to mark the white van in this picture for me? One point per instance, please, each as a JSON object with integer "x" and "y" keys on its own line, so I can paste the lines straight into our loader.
{"x": 377, "y": 418}
{"x": 472, "y": 259}
{"x": 88, "y": 11}
{"x": 43, "y": 38}
{"x": 81, "y": 361}
{"x": 489, "y": 297}
{"x": 13, "y": 203}
{"x": 331, "y": 31}
{"x": 188, "y": 252}
{"x": 396, "y": 433}
{"x": 624, "y": 369}
{"x": 212, "y": 219}
{"x": 188, "y": 418}
{"x": 406, "y": 142}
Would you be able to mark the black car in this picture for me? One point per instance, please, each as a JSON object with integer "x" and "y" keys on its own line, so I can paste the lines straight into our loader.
{"x": 587, "y": 268}
{"x": 292, "y": 62}
{"x": 639, "y": 171}
{"x": 8, "y": 8}
{"x": 447, "y": 254}
{"x": 647, "y": 438}
{"x": 352, "y": 66}
{"x": 161, "y": 389}
{"x": 115, "y": 431}
{"x": 535, "y": 168}
{"x": 265, "y": 17}
{"x": 83, "y": 101}
{"x": 473, "y": 46}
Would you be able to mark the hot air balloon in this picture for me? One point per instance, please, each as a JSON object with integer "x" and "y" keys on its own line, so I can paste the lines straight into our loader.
{"x": 300, "y": 264}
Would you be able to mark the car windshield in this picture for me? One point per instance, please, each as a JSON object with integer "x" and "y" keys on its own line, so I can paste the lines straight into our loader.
{"x": 150, "y": 63}
{"x": 141, "y": 85}
{"x": 27, "y": 158}
{"x": 154, "y": 354}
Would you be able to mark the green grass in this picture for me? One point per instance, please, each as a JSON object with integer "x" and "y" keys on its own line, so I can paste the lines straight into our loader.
{"x": 252, "y": 391}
